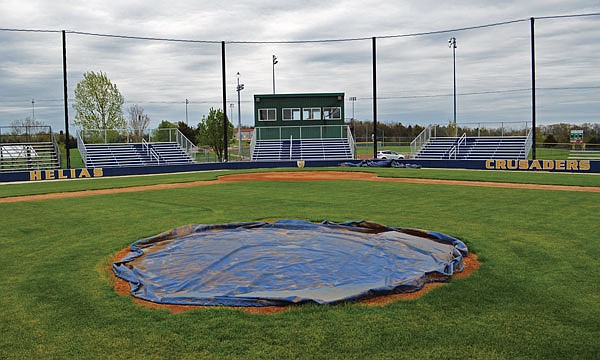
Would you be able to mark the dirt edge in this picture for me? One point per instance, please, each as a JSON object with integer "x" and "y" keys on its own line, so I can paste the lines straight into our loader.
{"x": 121, "y": 287}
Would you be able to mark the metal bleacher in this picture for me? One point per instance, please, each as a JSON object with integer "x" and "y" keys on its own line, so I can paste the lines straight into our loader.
{"x": 473, "y": 148}
{"x": 135, "y": 154}
{"x": 24, "y": 156}
{"x": 306, "y": 149}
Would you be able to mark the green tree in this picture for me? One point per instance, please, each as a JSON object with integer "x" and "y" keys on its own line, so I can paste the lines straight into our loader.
{"x": 210, "y": 132}
{"x": 98, "y": 103}
{"x": 187, "y": 131}
{"x": 165, "y": 132}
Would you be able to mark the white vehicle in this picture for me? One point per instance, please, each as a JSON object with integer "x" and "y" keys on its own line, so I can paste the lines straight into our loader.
{"x": 388, "y": 154}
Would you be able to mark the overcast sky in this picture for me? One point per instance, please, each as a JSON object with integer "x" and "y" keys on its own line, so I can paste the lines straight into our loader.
{"x": 414, "y": 82}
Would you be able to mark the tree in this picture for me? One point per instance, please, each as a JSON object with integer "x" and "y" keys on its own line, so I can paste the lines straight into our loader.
{"x": 210, "y": 132}
{"x": 138, "y": 121}
{"x": 98, "y": 103}
{"x": 187, "y": 131}
{"x": 29, "y": 129}
{"x": 164, "y": 132}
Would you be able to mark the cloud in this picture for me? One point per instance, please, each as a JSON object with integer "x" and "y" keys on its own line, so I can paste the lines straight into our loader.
{"x": 414, "y": 73}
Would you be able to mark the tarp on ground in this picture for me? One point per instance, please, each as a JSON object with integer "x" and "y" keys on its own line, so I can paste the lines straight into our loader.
{"x": 285, "y": 262}
{"x": 382, "y": 163}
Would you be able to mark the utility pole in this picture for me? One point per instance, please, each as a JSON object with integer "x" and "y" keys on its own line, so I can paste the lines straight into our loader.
{"x": 452, "y": 45}
{"x": 239, "y": 88}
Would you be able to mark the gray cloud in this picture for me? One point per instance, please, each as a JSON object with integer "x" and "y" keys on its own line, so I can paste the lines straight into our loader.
{"x": 414, "y": 73}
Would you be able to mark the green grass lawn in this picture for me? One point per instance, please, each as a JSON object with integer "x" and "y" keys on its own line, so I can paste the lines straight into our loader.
{"x": 535, "y": 296}
{"x": 8, "y": 189}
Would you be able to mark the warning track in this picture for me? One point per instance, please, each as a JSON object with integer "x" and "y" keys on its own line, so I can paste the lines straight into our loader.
{"x": 297, "y": 176}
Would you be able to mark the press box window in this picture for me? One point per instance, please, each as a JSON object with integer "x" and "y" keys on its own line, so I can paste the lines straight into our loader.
{"x": 267, "y": 114}
{"x": 311, "y": 114}
{"x": 332, "y": 113}
{"x": 291, "y": 114}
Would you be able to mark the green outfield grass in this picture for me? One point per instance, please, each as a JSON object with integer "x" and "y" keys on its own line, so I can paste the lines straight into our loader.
{"x": 8, "y": 189}
{"x": 535, "y": 295}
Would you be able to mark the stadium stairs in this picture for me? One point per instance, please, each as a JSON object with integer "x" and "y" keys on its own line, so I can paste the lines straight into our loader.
{"x": 477, "y": 148}
{"x": 25, "y": 156}
{"x": 318, "y": 149}
{"x": 135, "y": 154}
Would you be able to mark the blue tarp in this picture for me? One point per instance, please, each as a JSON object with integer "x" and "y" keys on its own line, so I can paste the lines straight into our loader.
{"x": 382, "y": 163}
{"x": 288, "y": 261}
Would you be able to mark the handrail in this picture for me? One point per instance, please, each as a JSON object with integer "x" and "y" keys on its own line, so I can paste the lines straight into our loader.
{"x": 351, "y": 142}
{"x": 528, "y": 143}
{"x": 455, "y": 150}
{"x": 419, "y": 142}
{"x": 186, "y": 144}
{"x": 252, "y": 145}
{"x": 55, "y": 145}
{"x": 81, "y": 147}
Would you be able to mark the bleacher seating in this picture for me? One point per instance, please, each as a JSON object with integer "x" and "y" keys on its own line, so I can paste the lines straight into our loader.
{"x": 513, "y": 147}
{"x": 28, "y": 156}
{"x": 135, "y": 154}
{"x": 318, "y": 149}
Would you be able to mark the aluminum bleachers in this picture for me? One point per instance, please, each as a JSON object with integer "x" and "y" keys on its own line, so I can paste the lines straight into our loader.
{"x": 135, "y": 154}
{"x": 468, "y": 148}
{"x": 24, "y": 156}
{"x": 315, "y": 149}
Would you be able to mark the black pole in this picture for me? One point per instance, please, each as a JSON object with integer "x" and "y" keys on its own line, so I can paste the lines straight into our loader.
{"x": 225, "y": 120}
{"x": 533, "y": 125}
{"x": 66, "y": 99}
{"x": 374, "y": 98}
{"x": 454, "y": 77}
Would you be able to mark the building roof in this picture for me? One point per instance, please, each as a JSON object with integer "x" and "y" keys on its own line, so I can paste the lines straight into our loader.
{"x": 299, "y": 95}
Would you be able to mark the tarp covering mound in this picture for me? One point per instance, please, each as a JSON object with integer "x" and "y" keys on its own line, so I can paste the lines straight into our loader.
{"x": 288, "y": 261}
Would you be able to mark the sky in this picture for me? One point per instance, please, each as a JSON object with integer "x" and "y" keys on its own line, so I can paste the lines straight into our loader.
{"x": 415, "y": 77}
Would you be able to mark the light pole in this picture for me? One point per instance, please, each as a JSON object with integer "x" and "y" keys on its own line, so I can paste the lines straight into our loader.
{"x": 353, "y": 100}
{"x": 239, "y": 88}
{"x": 274, "y": 62}
{"x": 452, "y": 45}
{"x": 33, "y": 109}
{"x": 186, "y": 112}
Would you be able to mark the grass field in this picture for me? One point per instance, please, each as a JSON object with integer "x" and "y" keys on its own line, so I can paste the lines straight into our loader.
{"x": 536, "y": 294}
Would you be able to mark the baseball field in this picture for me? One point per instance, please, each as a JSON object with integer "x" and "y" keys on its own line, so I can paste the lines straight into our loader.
{"x": 536, "y": 293}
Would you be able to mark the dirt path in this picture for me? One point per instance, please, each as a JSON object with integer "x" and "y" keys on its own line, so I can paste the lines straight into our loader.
{"x": 295, "y": 176}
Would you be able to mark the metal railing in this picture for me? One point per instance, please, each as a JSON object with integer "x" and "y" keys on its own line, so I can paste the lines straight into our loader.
{"x": 455, "y": 149}
{"x": 16, "y": 134}
{"x": 252, "y": 144}
{"x": 81, "y": 147}
{"x": 314, "y": 132}
{"x": 150, "y": 152}
{"x": 351, "y": 143}
{"x": 420, "y": 141}
{"x": 528, "y": 144}
{"x": 186, "y": 144}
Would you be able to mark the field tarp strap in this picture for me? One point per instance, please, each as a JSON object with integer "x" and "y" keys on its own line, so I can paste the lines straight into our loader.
{"x": 285, "y": 262}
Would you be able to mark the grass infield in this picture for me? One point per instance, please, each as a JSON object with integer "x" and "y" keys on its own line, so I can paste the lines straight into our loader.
{"x": 535, "y": 295}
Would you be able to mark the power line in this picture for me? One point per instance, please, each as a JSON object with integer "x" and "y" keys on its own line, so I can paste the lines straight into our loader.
{"x": 30, "y": 30}
{"x": 435, "y": 32}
